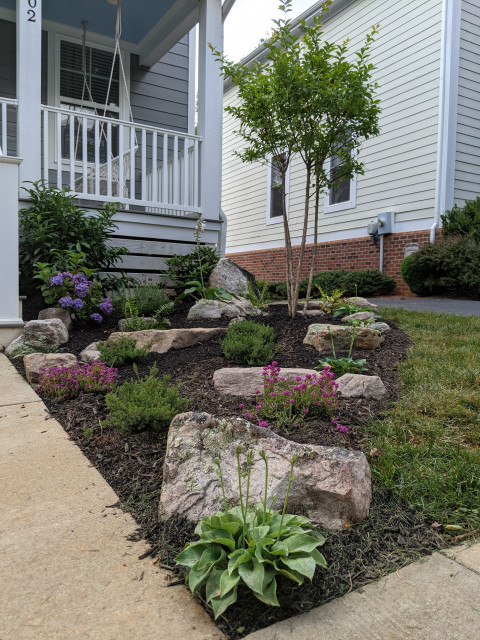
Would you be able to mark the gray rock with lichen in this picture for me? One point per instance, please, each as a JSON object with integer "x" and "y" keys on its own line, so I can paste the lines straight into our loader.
{"x": 332, "y": 485}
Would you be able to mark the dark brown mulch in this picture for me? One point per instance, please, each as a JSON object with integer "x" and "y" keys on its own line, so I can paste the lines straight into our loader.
{"x": 391, "y": 537}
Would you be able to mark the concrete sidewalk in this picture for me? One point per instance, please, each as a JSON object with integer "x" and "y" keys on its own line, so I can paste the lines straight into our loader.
{"x": 67, "y": 570}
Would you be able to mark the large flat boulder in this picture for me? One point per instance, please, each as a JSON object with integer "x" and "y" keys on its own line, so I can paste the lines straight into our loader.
{"x": 161, "y": 341}
{"x": 355, "y": 385}
{"x": 360, "y": 302}
{"x": 90, "y": 353}
{"x": 245, "y": 381}
{"x": 362, "y": 316}
{"x": 215, "y": 309}
{"x": 229, "y": 276}
{"x": 41, "y": 332}
{"x": 332, "y": 485}
{"x": 34, "y": 362}
{"x": 320, "y": 337}
{"x": 61, "y": 314}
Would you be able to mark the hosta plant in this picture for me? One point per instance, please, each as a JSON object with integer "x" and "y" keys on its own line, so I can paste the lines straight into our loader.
{"x": 250, "y": 547}
{"x": 341, "y": 366}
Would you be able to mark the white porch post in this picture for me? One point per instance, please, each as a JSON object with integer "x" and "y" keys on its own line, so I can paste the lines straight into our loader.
{"x": 10, "y": 322}
{"x": 210, "y": 107}
{"x": 29, "y": 81}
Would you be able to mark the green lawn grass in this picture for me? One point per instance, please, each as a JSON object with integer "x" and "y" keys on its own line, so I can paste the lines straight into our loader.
{"x": 429, "y": 441}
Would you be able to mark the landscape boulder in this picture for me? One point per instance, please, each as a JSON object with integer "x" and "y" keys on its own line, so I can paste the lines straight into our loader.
{"x": 61, "y": 314}
{"x": 379, "y": 326}
{"x": 161, "y": 341}
{"x": 37, "y": 333}
{"x": 33, "y": 362}
{"x": 360, "y": 302}
{"x": 229, "y": 276}
{"x": 311, "y": 312}
{"x": 90, "y": 353}
{"x": 362, "y": 316}
{"x": 244, "y": 381}
{"x": 318, "y": 335}
{"x": 215, "y": 309}
{"x": 332, "y": 486}
{"x": 354, "y": 385}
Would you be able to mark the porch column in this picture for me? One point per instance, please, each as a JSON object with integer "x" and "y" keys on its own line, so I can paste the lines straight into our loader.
{"x": 29, "y": 86}
{"x": 11, "y": 325}
{"x": 210, "y": 107}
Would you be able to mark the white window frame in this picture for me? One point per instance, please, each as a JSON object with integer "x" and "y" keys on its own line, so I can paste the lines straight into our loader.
{"x": 53, "y": 85}
{"x": 340, "y": 206}
{"x": 278, "y": 219}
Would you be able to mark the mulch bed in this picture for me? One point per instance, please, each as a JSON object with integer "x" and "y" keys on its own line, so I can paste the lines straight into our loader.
{"x": 391, "y": 537}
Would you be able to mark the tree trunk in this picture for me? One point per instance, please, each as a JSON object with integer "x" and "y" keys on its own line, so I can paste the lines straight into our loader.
{"x": 288, "y": 245}
{"x": 315, "y": 245}
{"x": 304, "y": 239}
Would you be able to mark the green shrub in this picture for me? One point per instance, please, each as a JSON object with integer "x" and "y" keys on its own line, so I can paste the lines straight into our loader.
{"x": 54, "y": 222}
{"x": 124, "y": 351}
{"x": 463, "y": 220}
{"x": 277, "y": 290}
{"x": 249, "y": 342}
{"x": 151, "y": 299}
{"x": 145, "y": 403}
{"x": 195, "y": 266}
{"x": 135, "y": 322}
{"x": 450, "y": 268}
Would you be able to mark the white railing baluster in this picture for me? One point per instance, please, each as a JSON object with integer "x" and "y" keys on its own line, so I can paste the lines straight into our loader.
{"x": 45, "y": 146}
{"x": 132, "y": 163}
{"x": 186, "y": 172}
{"x": 109, "y": 158}
{"x": 84, "y": 156}
{"x": 144, "y": 164}
{"x": 97, "y": 157}
{"x": 59, "y": 150}
{"x": 165, "y": 197}
{"x": 196, "y": 174}
{"x": 176, "y": 182}
{"x": 71, "y": 133}
{"x": 4, "y": 145}
{"x": 154, "y": 195}
{"x": 120, "y": 193}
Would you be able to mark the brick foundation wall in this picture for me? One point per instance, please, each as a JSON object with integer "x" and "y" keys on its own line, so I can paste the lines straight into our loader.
{"x": 357, "y": 253}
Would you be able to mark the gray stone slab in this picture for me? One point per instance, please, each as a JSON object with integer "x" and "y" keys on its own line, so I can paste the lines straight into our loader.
{"x": 436, "y": 599}
{"x": 69, "y": 568}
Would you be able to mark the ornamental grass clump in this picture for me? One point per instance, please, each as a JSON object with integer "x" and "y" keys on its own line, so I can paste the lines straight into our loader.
{"x": 249, "y": 342}
{"x": 249, "y": 547}
{"x": 124, "y": 351}
{"x": 65, "y": 383}
{"x": 145, "y": 403}
{"x": 288, "y": 402}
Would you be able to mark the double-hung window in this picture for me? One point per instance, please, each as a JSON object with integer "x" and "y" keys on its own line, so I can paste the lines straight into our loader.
{"x": 84, "y": 86}
{"x": 343, "y": 194}
{"x": 274, "y": 191}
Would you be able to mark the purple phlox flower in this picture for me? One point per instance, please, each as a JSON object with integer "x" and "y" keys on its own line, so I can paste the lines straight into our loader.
{"x": 263, "y": 423}
{"x": 96, "y": 317}
{"x": 65, "y": 302}
{"x": 77, "y": 303}
{"x": 56, "y": 280}
{"x": 257, "y": 391}
{"x": 241, "y": 406}
{"x": 298, "y": 378}
{"x": 107, "y": 306}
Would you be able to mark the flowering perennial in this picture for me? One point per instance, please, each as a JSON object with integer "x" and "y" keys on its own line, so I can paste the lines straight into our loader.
{"x": 289, "y": 402}
{"x": 64, "y": 383}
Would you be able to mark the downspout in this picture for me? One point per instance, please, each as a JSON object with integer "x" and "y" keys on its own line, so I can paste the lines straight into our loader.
{"x": 447, "y": 116}
{"x": 380, "y": 265}
{"x": 222, "y": 243}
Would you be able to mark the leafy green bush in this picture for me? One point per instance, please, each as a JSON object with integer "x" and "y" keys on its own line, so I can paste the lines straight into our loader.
{"x": 450, "y": 268}
{"x": 145, "y": 403}
{"x": 135, "y": 322}
{"x": 249, "y": 342}
{"x": 278, "y": 290}
{"x": 250, "y": 547}
{"x": 124, "y": 351}
{"x": 195, "y": 266}
{"x": 54, "y": 222}
{"x": 151, "y": 299}
{"x": 463, "y": 220}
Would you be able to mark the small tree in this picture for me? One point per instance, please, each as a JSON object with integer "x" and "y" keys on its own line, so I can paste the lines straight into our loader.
{"x": 309, "y": 100}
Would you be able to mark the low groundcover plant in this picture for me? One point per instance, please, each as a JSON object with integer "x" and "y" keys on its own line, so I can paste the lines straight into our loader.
{"x": 250, "y": 547}
{"x": 289, "y": 401}
{"x": 64, "y": 383}
{"x": 124, "y": 351}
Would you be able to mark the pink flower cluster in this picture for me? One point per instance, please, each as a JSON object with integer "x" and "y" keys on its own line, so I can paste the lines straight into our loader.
{"x": 288, "y": 402}
{"x": 64, "y": 383}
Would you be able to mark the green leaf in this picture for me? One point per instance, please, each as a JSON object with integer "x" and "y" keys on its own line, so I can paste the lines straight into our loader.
{"x": 261, "y": 532}
{"x": 220, "y": 536}
{"x": 292, "y": 575}
{"x": 241, "y": 556}
{"x": 197, "y": 577}
{"x": 219, "y": 605}
{"x": 190, "y": 555}
{"x": 228, "y": 581}
{"x": 252, "y": 574}
{"x": 303, "y": 564}
{"x": 301, "y": 542}
{"x": 319, "y": 559}
{"x": 210, "y": 556}
{"x": 269, "y": 595}
{"x": 279, "y": 549}
{"x": 212, "y": 586}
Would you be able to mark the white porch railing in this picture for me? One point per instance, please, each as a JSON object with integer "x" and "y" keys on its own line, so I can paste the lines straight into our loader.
{"x": 8, "y": 108}
{"x": 104, "y": 159}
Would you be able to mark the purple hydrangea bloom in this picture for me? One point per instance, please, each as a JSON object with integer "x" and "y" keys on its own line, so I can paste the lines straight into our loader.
{"x": 56, "y": 280}
{"x": 107, "y": 306}
{"x": 96, "y": 317}
{"x": 79, "y": 278}
{"x": 81, "y": 289}
{"x": 77, "y": 303}
{"x": 66, "y": 274}
{"x": 65, "y": 302}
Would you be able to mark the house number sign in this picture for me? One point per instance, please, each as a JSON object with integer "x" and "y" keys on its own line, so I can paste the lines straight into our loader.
{"x": 31, "y": 12}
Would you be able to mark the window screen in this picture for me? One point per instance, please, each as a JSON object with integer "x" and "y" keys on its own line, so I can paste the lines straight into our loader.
{"x": 341, "y": 191}
{"x": 275, "y": 191}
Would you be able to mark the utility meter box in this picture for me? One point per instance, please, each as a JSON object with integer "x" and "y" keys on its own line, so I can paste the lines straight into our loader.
{"x": 385, "y": 223}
